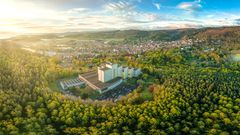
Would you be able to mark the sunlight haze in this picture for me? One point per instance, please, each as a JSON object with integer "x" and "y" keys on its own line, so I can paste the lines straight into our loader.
{"x": 41, "y": 16}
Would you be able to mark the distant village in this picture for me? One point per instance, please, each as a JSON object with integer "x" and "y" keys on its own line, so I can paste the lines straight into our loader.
{"x": 85, "y": 49}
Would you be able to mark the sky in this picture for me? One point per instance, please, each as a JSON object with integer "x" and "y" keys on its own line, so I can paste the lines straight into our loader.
{"x": 56, "y": 16}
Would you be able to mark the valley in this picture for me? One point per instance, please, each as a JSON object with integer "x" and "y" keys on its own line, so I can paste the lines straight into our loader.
{"x": 187, "y": 86}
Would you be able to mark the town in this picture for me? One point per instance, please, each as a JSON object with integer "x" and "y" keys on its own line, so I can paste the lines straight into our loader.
{"x": 69, "y": 49}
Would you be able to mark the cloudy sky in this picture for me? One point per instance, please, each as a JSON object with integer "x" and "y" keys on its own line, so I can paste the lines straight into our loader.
{"x": 53, "y": 16}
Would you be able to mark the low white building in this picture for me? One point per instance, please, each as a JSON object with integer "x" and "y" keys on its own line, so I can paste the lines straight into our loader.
{"x": 65, "y": 84}
{"x": 131, "y": 72}
{"x": 124, "y": 72}
{"x": 120, "y": 74}
{"x": 114, "y": 68}
{"x": 137, "y": 72}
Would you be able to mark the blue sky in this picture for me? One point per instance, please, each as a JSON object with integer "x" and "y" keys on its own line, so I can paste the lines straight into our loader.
{"x": 47, "y": 16}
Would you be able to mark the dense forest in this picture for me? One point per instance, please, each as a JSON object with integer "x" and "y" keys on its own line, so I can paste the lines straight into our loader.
{"x": 193, "y": 92}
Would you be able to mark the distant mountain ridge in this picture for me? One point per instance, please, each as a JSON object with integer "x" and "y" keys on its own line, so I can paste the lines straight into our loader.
{"x": 220, "y": 33}
{"x": 164, "y": 35}
{"x": 223, "y": 33}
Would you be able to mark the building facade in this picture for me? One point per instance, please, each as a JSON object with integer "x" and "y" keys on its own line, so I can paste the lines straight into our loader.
{"x": 105, "y": 74}
{"x": 110, "y": 71}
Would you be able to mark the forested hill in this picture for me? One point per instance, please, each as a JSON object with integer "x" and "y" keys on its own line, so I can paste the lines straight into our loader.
{"x": 223, "y": 33}
{"x": 158, "y": 35}
{"x": 193, "y": 92}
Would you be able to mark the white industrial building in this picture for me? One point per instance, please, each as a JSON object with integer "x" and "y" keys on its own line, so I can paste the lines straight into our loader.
{"x": 108, "y": 76}
{"x": 109, "y": 71}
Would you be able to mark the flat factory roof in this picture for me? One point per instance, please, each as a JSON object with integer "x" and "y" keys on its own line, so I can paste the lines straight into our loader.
{"x": 104, "y": 68}
{"x": 92, "y": 77}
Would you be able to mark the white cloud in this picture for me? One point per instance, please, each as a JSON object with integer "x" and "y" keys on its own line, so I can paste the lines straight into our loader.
{"x": 122, "y": 8}
{"x": 218, "y": 18}
{"x": 190, "y": 6}
{"x": 157, "y": 5}
{"x": 152, "y": 17}
{"x": 77, "y": 10}
{"x": 237, "y": 21}
{"x": 130, "y": 13}
{"x": 66, "y": 3}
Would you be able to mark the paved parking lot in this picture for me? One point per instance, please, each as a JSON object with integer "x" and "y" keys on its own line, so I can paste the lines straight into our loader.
{"x": 115, "y": 94}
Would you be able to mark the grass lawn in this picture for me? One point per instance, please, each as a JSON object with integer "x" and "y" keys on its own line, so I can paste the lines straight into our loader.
{"x": 90, "y": 92}
{"x": 54, "y": 86}
{"x": 84, "y": 92}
